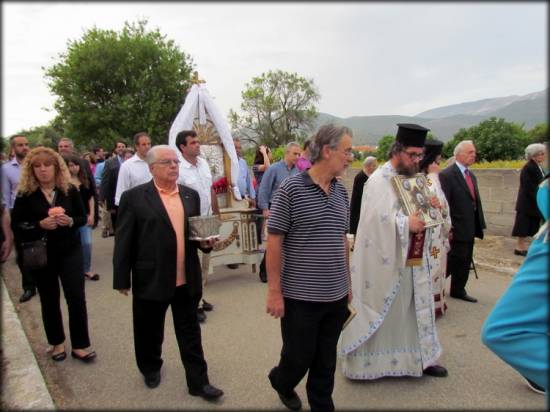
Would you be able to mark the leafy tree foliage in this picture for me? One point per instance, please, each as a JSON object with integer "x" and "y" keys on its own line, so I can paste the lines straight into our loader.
{"x": 384, "y": 145}
{"x": 539, "y": 133}
{"x": 47, "y": 135}
{"x": 111, "y": 85}
{"x": 495, "y": 139}
{"x": 277, "y": 107}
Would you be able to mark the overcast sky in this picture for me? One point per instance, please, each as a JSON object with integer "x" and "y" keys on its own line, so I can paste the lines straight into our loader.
{"x": 365, "y": 58}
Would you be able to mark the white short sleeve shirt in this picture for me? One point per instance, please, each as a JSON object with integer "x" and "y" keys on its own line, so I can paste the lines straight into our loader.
{"x": 133, "y": 172}
{"x": 199, "y": 178}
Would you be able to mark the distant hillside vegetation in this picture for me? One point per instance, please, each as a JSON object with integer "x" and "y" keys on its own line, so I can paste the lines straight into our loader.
{"x": 444, "y": 122}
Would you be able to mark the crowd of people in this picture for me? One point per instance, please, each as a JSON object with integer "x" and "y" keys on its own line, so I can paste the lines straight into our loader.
{"x": 388, "y": 293}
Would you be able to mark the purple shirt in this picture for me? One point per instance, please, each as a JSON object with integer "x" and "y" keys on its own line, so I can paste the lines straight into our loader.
{"x": 10, "y": 178}
{"x": 303, "y": 163}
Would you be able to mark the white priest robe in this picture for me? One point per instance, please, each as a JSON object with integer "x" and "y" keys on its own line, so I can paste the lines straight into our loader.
{"x": 439, "y": 247}
{"x": 393, "y": 333}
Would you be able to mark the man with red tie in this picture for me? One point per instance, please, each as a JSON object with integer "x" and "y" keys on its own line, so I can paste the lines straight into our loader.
{"x": 460, "y": 187}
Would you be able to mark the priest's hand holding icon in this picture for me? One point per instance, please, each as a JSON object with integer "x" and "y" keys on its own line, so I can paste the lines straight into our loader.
{"x": 416, "y": 223}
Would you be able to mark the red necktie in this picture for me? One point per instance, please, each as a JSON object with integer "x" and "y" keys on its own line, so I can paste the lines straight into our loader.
{"x": 470, "y": 183}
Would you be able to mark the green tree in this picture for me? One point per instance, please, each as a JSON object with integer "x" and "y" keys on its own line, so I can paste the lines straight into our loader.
{"x": 384, "y": 145}
{"x": 495, "y": 139}
{"x": 46, "y": 135}
{"x": 538, "y": 134}
{"x": 277, "y": 107}
{"x": 113, "y": 84}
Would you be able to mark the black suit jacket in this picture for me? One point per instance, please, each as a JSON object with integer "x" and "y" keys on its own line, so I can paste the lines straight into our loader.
{"x": 529, "y": 181}
{"x": 109, "y": 181}
{"x": 468, "y": 222}
{"x": 145, "y": 244}
{"x": 355, "y": 203}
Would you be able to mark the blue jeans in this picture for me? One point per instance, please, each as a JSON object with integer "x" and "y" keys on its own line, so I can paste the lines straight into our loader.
{"x": 86, "y": 241}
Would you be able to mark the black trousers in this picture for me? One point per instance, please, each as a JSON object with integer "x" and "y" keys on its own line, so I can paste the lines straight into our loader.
{"x": 27, "y": 280}
{"x": 310, "y": 332}
{"x": 149, "y": 319}
{"x": 458, "y": 266}
{"x": 114, "y": 215}
{"x": 68, "y": 268}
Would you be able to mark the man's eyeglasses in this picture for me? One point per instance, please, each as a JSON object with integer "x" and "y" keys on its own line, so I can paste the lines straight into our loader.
{"x": 166, "y": 162}
{"x": 414, "y": 156}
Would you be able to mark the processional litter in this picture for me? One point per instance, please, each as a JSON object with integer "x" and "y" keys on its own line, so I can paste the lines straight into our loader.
{"x": 238, "y": 235}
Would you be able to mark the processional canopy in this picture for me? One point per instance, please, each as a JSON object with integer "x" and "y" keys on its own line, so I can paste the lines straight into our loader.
{"x": 199, "y": 113}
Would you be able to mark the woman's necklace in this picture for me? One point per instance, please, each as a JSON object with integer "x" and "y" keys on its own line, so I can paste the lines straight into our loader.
{"x": 49, "y": 193}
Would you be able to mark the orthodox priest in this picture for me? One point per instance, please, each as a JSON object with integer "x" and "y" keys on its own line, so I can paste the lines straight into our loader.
{"x": 393, "y": 333}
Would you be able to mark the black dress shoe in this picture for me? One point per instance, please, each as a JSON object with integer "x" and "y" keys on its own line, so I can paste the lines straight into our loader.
{"x": 436, "y": 370}
{"x": 534, "y": 387}
{"x": 520, "y": 252}
{"x": 263, "y": 276}
{"x": 207, "y": 306}
{"x": 152, "y": 380}
{"x": 291, "y": 400}
{"x": 465, "y": 297}
{"x": 27, "y": 295}
{"x": 208, "y": 392}
{"x": 201, "y": 316}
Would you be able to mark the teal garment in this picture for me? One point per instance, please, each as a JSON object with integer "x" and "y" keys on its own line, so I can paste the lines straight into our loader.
{"x": 516, "y": 330}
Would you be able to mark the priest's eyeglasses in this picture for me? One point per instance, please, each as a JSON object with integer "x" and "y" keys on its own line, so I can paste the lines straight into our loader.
{"x": 414, "y": 156}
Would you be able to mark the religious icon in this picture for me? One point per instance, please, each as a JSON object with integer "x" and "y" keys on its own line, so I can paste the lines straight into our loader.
{"x": 414, "y": 195}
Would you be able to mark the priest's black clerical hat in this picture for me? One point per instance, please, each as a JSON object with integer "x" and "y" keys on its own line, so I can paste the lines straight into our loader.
{"x": 432, "y": 149}
{"x": 410, "y": 134}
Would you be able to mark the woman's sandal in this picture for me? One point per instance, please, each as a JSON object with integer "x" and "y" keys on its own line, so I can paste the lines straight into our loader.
{"x": 61, "y": 356}
{"x": 86, "y": 358}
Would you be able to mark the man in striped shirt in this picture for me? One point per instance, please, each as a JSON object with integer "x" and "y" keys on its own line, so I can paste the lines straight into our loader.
{"x": 308, "y": 272}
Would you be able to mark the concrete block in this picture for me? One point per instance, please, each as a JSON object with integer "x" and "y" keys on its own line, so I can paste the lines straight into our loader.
{"x": 509, "y": 207}
{"x": 492, "y": 207}
{"x": 502, "y": 219}
{"x": 498, "y": 230}
{"x": 485, "y": 193}
{"x": 490, "y": 180}
{"x": 503, "y": 195}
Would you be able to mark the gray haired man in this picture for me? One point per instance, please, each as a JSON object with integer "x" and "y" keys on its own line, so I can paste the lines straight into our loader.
{"x": 309, "y": 289}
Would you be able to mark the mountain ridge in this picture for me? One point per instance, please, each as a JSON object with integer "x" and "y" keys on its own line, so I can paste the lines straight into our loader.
{"x": 529, "y": 110}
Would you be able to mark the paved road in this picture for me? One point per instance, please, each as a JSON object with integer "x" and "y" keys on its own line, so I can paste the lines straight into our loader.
{"x": 242, "y": 343}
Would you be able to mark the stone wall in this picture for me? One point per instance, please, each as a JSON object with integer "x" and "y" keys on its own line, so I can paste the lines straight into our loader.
{"x": 498, "y": 190}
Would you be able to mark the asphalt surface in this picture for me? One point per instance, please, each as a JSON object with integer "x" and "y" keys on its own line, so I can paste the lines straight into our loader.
{"x": 242, "y": 343}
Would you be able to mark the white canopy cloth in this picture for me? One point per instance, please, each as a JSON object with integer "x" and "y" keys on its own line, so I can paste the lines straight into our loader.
{"x": 198, "y": 104}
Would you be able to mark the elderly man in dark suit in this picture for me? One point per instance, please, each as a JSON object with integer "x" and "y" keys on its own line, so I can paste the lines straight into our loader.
{"x": 460, "y": 187}
{"x": 154, "y": 255}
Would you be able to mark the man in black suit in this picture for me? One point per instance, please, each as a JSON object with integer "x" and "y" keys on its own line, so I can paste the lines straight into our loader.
{"x": 109, "y": 179}
{"x": 460, "y": 187}
{"x": 369, "y": 166}
{"x": 154, "y": 255}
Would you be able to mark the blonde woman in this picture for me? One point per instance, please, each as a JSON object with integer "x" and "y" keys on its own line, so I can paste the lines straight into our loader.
{"x": 48, "y": 205}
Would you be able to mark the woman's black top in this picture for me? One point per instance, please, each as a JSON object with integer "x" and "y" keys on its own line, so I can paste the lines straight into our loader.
{"x": 29, "y": 210}
{"x": 86, "y": 194}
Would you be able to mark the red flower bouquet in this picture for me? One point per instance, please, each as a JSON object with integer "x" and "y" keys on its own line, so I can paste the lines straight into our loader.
{"x": 220, "y": 185}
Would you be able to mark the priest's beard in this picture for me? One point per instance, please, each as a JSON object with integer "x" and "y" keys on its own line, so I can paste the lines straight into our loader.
{"x": 403, "y": 169}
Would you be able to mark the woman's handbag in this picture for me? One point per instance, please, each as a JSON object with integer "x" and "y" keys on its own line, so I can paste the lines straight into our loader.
{"x": 34, "y": 254}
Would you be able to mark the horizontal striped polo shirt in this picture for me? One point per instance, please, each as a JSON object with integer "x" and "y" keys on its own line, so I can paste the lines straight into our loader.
{"x": 314, "y": 225}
